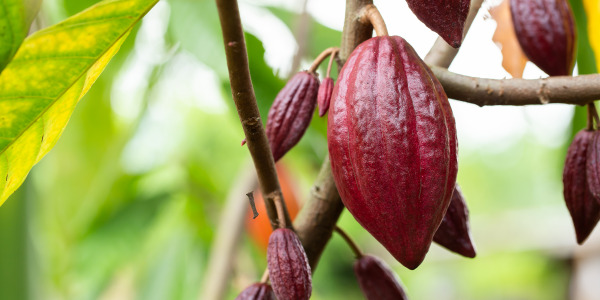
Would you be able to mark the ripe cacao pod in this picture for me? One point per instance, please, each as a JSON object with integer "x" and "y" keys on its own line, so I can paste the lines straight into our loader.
{"x": 593, "y": 166}
{"x": 377, "y": 281}
{"x": 547, "y": 34}
{"x": 584, "y": 209}
{"x": 257, "y": 291}
{"x": 324, "y": 96}
{"x": 454, "y": 232}
{"x": 291, "y": 112}
{"x": 445, "y": 17}
{"x": 288, "y": 266}
{"x": 392, "y": 144}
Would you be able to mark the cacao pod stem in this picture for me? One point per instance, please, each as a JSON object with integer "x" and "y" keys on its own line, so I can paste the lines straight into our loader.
{"x": 592, "y": 116}
{"x": 350, "y": 242}
{"x": 327, "y": 52}
{"x": 370, "y": 15}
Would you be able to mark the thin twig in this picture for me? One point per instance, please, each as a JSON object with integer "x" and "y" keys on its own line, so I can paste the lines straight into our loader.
{"x": 590, "y": 116}
{"x": 265, "y": 276}
{"x": 331, "y": 59}
{"x": 370, "y": 15}
{"x": 245, "y": 102}
{"x": 321, "y": 58}
{"x": 350, "y": 242}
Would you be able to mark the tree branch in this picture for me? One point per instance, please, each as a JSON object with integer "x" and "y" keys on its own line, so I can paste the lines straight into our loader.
{"x": 245, "y": 102}
{"x": 556, "y": 89}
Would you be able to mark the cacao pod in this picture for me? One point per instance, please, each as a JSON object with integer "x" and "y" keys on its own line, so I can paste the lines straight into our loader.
{"x": 291, "y": 112}
{"x": 324, "y": 96}
{"x": 445, "y": 17}
{"x": 376, "y": 280}
{"x": 593, "y": 166}
{"x": 547, "y": 34}
{"x": 392, "y": 144}
{"x": 454, "y": 232}
{"x": 257, "y": 291}
{"x": 584, "y": 209}
{"x": 288, "y": 266}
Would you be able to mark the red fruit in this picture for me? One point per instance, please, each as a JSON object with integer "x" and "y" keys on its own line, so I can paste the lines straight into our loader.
{"x": 288, "y": 266}
{"x": 454, "y": 231}
{"x": 584, "y": 209}
{"x": 291, "y": 112}
{"x": 376, "y": 280}
{"x": 324, "y": 96}
{"x": 445, "y": 17}
{"x": 392, "y": 143}
{"x": 257, "y": 291}
{"x": 547, "y": 34}
{"x": 593, "y": 166}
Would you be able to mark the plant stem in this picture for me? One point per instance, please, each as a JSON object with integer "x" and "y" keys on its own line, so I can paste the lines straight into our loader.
{"x": 370, "y": 14}
{"x": 350, "y": 242}
{"x": 321, "y": 58}
{"x": 245, "y": 102}
{"x": 555, "y": 89}
{"x": 265, "y": 276}
{"x": 331, "y": 59}
{"x": 590, "y": 117}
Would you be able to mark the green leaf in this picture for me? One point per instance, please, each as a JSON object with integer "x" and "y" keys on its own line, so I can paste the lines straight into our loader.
{"x": 15, "y": 18}
{"x": 52, "y": 70}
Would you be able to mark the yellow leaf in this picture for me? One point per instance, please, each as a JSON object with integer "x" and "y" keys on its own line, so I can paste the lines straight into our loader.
{"x": 48, "y": 75}
{"x": 592, "y": 10}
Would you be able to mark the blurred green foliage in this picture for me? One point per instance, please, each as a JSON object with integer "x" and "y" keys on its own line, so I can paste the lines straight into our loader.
{"x": 126, "y": 205}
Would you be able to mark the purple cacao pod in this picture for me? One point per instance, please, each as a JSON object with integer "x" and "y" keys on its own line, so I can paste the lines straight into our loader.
{"x": 377, "y": 281}
{"x": 291, "y": 113}
{"x": 547, "y": 34}
{"x": 584, "y": 209}
{"x": 445, "y": 17}
{"x": 593, "y": 166}
{"x": 392, "y": 144}
{"x": 288, "y": 266}
{"x": 454, "y": 233}
{"x": 324, "y": 96}
{"x": 257, "y": 291}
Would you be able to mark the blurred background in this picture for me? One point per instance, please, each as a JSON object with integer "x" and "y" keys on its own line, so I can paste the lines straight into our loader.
{"x": 128, "y": 203}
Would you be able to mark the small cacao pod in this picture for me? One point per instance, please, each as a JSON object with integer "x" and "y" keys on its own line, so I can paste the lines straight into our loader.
{"x": 288, "y": 266}
{"x": 547, "y": 34}
{"x": 392, "y": 144}
{"x": 291, "y": 112}
{"x": 584, "y": 209}
{"x": 593, "y": 165}
{"x": 454, "y": 232}
{"x": 445, "y": 17}
{"x": 377, "y": 281}
{"x": 324, "y": 96}
{"x": 257, "y": 291}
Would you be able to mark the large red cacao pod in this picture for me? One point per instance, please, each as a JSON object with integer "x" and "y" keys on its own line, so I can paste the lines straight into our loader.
{"x": 291, "y": 112}
{"x": 377, "y": 281}
{"x": 288, "y": 266}
{"x": 257, "y": 291}
{"x": 324, "y": 96}
{"x": 445, "y": 17}
{"x": 547, "y": 34}
{"x": 584, "y": 209}
{"x": 454, "y": 233}
{"x": 392, "y": 143}
{"x": 593, "y": 166}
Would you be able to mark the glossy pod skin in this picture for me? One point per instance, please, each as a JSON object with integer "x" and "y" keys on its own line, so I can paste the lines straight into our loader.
{"x": 392, "y": 144}
{"x": 593, "y": 166}
{"x": 547, "y": 34}
{"x": 291, "y": 112}
{"x": 377, "y": 281}
{"x": 288, "y": 266}
{"x": 324, "y": 96}
{"x": 257, "y": 291}
{"x": 445, "y": 17}
{"x": 584, "y": 209}
{"x": 454, "y": 233}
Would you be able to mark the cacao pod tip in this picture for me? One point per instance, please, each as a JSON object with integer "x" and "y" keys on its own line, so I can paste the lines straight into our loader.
{"x": 257, "y": 291}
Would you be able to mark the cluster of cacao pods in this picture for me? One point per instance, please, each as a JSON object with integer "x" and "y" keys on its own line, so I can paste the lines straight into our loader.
{"x": 546, "y": 33}
{"x": 581, "y": 182}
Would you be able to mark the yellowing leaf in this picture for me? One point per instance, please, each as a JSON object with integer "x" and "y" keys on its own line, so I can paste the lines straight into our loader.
{"x": 51, "y": 71}
{"x": 592, "y": 10}
{"x": 513, "y": 58}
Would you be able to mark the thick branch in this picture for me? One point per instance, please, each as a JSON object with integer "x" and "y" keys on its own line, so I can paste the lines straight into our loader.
{"x": 316, "y": 221}
{"x": 442, "y": 54}
{"x": 559, "y": 89}
{"x": 245, "y": 102}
